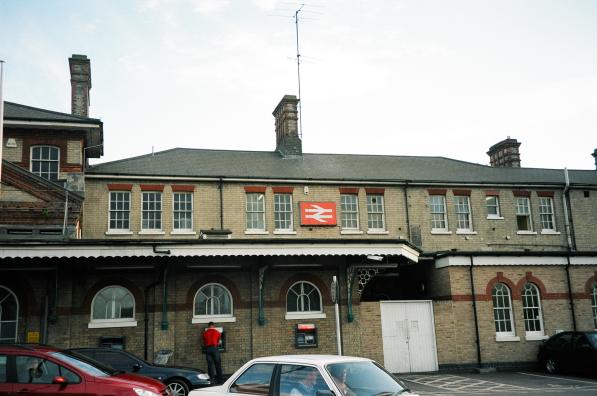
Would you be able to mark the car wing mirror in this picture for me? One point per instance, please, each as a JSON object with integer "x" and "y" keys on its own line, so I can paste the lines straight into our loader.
{"x": 325, "y": 392}
{"x": 59, "y": 380}
{"x": 137, "y": 367}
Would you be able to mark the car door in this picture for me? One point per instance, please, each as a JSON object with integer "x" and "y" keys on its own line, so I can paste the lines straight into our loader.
{"x": 36, "y": 375}
{"x": 583, "y": 352}
{"x": 6, "y": 387}
{"x": 256, "y": 380}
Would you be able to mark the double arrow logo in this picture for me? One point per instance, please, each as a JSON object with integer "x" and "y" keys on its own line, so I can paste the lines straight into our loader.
{"x": 318, "y": 213}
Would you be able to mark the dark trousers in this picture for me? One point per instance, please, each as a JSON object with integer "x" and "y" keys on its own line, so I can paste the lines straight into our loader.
{"x": 214, "y": 363}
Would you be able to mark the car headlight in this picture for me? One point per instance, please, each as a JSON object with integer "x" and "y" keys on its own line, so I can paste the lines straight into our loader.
{"x": 144, "y": 392}
{"x": 203, "y": 376}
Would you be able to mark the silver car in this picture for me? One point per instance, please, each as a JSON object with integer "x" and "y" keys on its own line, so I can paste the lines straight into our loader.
{"x": 309, "y": 375}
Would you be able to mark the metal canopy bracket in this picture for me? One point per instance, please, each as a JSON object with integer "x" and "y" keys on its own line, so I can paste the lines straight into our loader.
{"x": 261, "y": 319}
{"x": 363, "y": 273}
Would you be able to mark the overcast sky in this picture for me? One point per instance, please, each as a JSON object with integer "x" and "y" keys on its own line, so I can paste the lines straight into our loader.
{"x": 399, "y": 77}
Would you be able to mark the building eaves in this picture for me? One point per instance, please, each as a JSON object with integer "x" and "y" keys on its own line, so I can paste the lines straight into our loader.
{"x": 19, "y": 112}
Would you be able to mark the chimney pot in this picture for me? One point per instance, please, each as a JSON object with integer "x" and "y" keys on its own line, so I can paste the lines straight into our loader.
{"x": 288, "y": 141}
{"x": 80, "y": 81}
{"x": 505, "y": 154}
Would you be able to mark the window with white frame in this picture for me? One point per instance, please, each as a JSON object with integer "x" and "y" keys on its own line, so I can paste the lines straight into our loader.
{"x": 349, "y": 205}
{"x": 375, "y": 212}
{"x": 283, "y": 212}
{"x": 502, "y": 310}
{"x": 212, "y": 301}
{"x": 546, "y": 214}
{"x": 523, "y": 214}
{"x": 183, "y": 211}
{"x": 303, "y": 297}
{"x": 151, "y": 211}
{"x": 45, "y": 161}
{"x": 462, "y": 207}
{"x": 437, "y": 206}
{"x": 113, "y": 306}
{"x": 120, "y": 208}
{"x": 9, "y": 316}
{"x": 255, "y": 211}
{"x": 492, "y": 203}
{"x": 594, "y": 303}
{"x": 531, "y": 310}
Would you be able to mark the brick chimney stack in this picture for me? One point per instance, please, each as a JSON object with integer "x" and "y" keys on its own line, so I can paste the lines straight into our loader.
{"x": 595, "y": 156}
{"x": 288, "y": 142}
{"x": 505, "y": 154}
{"x": 80, "y": 81}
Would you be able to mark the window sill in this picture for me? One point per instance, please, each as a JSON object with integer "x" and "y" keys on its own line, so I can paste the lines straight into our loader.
{"x": 256, "y": 232}
{"x": 207, "y": 319}
{"x": 505, "y": 338}
{"x": 304, "y": 315}
{"x": 117, "y": 232}
{"x": 526, "y": 232}
{"x": 550, "y": 232}
{"x": 152, "y": 232}
{"x": 183, "y": 232}
{"x": 495, "y": 218}
{"x": 284, "y": 232}
{"x": 466, "y": 232}
{"x": 441, "y": 232}
{"x": 351, "y": 232}
{"x": 378, "y": 232}
{"x": 109, "y": 323}
{"x": 536, "y": 337}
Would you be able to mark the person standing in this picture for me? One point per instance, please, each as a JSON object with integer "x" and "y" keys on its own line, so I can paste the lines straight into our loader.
{"x": 211, "y": 340}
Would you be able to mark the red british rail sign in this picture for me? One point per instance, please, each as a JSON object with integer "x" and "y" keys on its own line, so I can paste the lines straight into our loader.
{"x": 318, "y": 213}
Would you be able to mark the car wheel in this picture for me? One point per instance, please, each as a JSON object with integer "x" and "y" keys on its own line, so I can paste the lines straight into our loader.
{"x": 550, "y": 365}
{"x": 178, "y": 388}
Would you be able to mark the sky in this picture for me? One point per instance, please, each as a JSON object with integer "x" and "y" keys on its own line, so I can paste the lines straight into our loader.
{"x": 390, "y": 77}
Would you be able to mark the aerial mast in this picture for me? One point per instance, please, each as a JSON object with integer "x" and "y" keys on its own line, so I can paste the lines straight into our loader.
{"x": 298, "y": 68}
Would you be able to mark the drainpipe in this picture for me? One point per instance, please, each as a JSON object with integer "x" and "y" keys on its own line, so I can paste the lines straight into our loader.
{"x": 571, "y": 246}
{"x": 146, "y": 329}
{"x": 406, "y": 204}
{"x": 64, "y": 223}
{"x": 475, "y": 313}
{"x": 221, "y": 203}
{"x": 165, "y": 298}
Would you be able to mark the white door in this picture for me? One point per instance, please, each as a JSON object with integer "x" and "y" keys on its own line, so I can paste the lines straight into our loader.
{"x": 408, "y": 335}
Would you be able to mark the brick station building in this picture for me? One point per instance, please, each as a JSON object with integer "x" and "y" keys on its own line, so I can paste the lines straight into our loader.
{"x": 440, "y": 263}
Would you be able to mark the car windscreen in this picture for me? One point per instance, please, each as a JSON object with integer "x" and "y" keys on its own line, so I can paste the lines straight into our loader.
{"x": 592, "y": 339}
{"x": 364, "y": 379}
{"x": 84, "y": 363}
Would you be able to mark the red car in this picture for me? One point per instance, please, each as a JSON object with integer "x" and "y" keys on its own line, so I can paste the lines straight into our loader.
{"x": 27, "y": 369}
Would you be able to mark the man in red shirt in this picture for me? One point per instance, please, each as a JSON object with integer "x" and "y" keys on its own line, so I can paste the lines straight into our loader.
{"x": 211, "y": 340}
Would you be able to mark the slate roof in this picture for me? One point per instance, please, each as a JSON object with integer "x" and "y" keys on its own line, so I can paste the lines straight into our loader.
{"x": 338, "y": 167}
{"x": 19, "y": 112}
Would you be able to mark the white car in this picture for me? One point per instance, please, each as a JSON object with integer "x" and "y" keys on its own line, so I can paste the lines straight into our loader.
{"x": 309, "y": 375}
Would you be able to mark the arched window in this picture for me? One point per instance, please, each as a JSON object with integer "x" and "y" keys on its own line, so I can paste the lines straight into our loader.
{"x": 502, "y": 311}
{"x": 213, "y": 301}
{"x": 531, "y": 309}
{"x": 303, "y": 300}
{"x": 113, "y": 306}
{"x": 45, "y": 161}
{"x": 594, "y": 303}
{"x": 9, "y": 316}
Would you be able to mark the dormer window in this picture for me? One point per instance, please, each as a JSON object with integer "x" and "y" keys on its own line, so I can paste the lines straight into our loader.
{"x": 45, "y": 161}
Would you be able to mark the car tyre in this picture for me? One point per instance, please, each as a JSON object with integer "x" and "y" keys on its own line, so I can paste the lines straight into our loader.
{"x": 178, "y": 387}
{"x": 550, "y": 365}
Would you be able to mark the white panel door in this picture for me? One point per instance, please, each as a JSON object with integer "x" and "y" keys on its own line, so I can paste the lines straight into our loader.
{"x": 408, "y": 334}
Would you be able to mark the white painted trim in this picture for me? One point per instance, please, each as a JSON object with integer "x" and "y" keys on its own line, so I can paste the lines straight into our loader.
{"x": 550, "y": 232}
{"x": 526, "y": 232}
{"x": 490, "y": 217}
{"x": 183, "y": 232}
{"x": 466, "y": 232}
{"x": 214, "y": 250}
{"x": 441, "y": 232}
{"x": 215, "y": 319}
{"x": 256, "y": 232}
{"x": 304, "y": 315}
{"x": 506, "y": 338}
{"x": 535, "y": 337}
{"x": 118, "y": 232}
{"x": 351, "y": 232}
{"x": 378, "y": 232}
{"x": 51, "y": 124}
{"x": 104, "y": 324}
{"x": 284, "y": 232}
{"x": 152, "y": 232}
{"x": 464, "y": 260}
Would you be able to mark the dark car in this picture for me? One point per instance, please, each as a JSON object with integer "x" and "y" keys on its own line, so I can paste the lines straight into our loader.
{"x": 27, "y": 369}
{"x": 571, "y": 351}
{"x": 179, "y": 379}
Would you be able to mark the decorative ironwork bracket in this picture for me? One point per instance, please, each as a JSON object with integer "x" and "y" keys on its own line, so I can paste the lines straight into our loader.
{"x": 364, "y": 273}
{"x": 261, "y": 319}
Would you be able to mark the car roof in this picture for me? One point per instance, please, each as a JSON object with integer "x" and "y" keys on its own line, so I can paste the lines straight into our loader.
{"x": 29, "y": 347}
{"x": 311, "y": 359}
